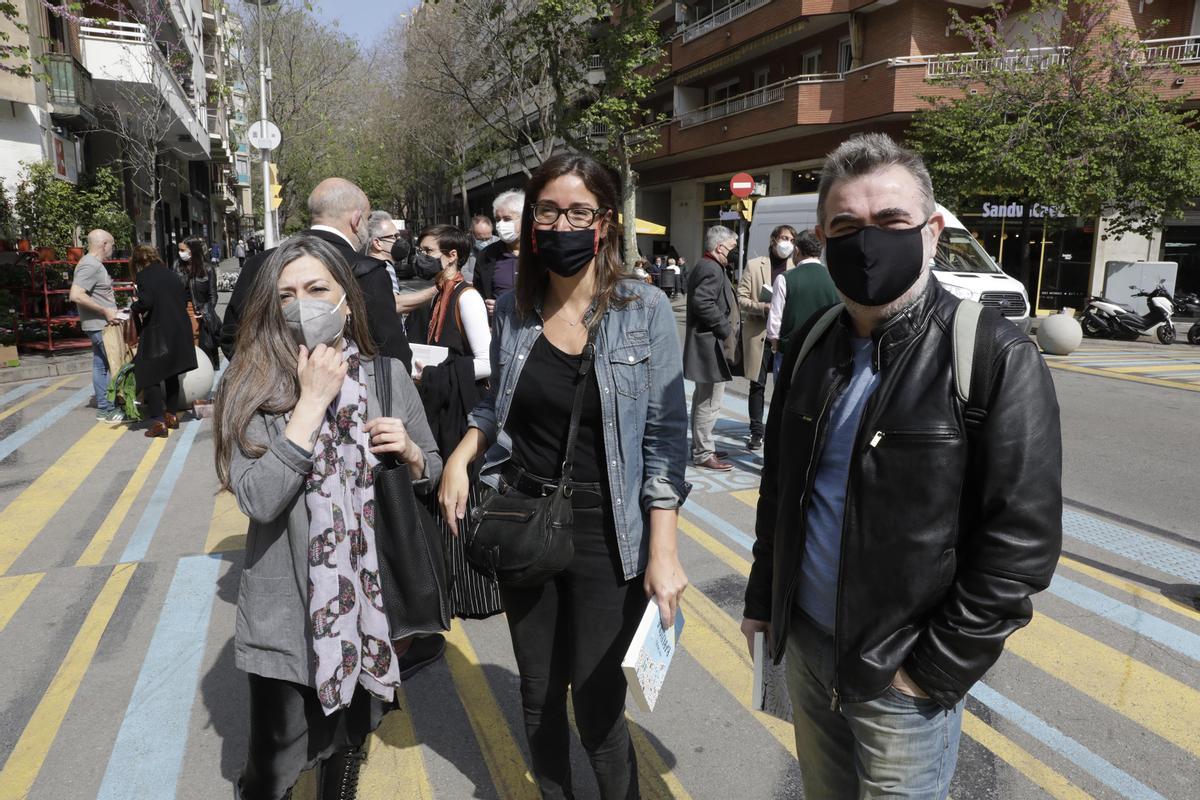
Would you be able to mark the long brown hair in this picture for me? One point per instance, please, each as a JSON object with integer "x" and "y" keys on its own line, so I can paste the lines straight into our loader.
{"x": 531, "y": 275}
{"x": 262, "y": 376}
{"x": 196, "y": 268}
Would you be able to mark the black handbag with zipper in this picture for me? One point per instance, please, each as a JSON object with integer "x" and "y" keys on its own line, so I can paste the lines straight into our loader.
{"x": 408, "y": 543}
{"x": 524, "y": 541}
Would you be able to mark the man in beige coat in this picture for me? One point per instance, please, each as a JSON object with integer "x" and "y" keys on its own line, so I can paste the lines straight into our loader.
{"x": 755, "y": 304}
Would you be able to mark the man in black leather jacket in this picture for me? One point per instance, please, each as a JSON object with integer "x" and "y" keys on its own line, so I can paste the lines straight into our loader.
{"x": 896, "y": 549}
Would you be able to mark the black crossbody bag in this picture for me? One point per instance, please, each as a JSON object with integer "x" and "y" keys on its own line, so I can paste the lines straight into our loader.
{"x": 408, "y": 543}
{"x": 524, "y": 541}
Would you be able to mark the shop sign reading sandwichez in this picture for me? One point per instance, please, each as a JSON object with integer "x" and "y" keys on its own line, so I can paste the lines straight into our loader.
{"x": 1017, "y": 210}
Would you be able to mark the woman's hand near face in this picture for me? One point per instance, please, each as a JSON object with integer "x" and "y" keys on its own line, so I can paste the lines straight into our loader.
{"x": 321, "y": 374}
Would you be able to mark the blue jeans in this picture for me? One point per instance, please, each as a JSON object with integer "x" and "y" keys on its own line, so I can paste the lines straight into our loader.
{"x": 99, "y": 371}
{"x": 894, "y": 746}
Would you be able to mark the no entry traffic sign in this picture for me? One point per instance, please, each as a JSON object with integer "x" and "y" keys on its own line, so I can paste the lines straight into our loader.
{"x": 741, "y": 185}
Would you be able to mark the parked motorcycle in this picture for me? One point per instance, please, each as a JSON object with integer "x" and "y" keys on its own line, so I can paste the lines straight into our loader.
{"x": 1188, "y": 305}
{"x": 1105, "y": 319}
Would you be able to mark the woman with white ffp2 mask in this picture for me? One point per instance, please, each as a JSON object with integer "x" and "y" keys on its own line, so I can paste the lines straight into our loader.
{"x": 496, "y": 264}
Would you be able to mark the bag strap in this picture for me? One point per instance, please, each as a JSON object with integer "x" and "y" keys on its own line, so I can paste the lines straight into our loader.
{"x": 585, "y": 366}
{"x": 972, "y": 363}
{"x": 383, "y": 384}
{"x": 823, "y": 323}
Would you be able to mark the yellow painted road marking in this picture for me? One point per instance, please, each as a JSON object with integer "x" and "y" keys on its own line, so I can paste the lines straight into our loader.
{"x": 505, "y": 763}
{"x": 747, "y": 496}
{"x": 94, "y": 552}
{"x": 33, "y": 398}
{"x": 1122, "y": 377}
{"x": 13, "y": 592}
{"x": 1129, "y": 587}
{"x": 712, "y": 545}
{"x": 655, "y": 778}
{"x": 227, "y": 531}
{"x": 716, "y": 620}
{"x": 1150, "y": 698}
{"x": 25, "y": 761}
{"x": 1053, "y": 783}
{"x": 28, "y": 514}
{"x": 1158, "y": 368}
{"x": 395, "y": 766}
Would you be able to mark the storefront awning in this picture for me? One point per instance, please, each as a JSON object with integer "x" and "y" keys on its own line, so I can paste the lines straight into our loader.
{"x": 646, "y": 228}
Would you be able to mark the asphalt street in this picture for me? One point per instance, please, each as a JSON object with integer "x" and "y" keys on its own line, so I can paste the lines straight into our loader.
{"x": 119, "y": 570}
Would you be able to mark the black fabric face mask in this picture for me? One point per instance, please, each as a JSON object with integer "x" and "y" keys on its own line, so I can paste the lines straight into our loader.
{"x": 874, "y": 266}
{"x": 566, "y": 252}
{"x": 401, "y": 250}
{"x": 426, "y": 266}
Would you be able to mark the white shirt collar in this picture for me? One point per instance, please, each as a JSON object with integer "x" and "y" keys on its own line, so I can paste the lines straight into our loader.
{"x": 328, "y": 229}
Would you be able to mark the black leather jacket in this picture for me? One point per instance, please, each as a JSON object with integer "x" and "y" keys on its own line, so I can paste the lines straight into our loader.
{"x": 944, "y": 539}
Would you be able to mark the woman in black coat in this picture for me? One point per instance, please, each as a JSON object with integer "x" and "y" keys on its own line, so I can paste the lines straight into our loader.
{"x": 165, "y": 350}
{"x": 200, "y": 281}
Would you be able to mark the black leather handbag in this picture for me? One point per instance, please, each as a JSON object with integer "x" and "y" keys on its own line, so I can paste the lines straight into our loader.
{"x": 524, "y": 541}
{"x": 408, "y": 543}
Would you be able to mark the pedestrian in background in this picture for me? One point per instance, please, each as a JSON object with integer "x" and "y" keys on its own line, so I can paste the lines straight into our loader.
{"x": 481, "y": 232}
{"x": 165, "y": 351}
{"x": 798, "y": 294}
{"x": 628, "y": 481}
{"x": 215, "y": 255}
{"x": 200, "y": 291}
{"x": 298, "y": 431}
{"x": 899, "y": 537}
{"x": 496, "y": 265}
{"x": 710, "y": 343}
{"x": 759, "y": 360}
{"x": 239, "y": 252}
{"x": 93, "y": 295}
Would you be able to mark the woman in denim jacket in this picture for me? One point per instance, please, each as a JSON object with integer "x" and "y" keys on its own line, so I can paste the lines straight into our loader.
{"x": 629, "y": 465}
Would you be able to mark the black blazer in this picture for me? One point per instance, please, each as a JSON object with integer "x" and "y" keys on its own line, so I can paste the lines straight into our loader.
{"x": 382, "y": 319}
{"x": 164, "y": 331}
{"x": 485, "y": 268}
{"x": 710, "y": 306}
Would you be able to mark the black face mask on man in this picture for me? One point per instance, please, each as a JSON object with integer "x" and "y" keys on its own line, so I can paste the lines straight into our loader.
{"x": 875, "y": 266}
{"x": 566, "y": 252}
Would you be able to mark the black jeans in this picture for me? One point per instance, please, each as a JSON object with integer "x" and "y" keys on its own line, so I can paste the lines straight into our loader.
{"x": 158, "y": 395}
{"x": 758, "y": 392}
{"x": 573, "y": 631}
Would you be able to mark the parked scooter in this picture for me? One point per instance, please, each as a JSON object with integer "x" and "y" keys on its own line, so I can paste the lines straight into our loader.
{"x": 1188, "y": 305}
{"x": 1105, "y": 319}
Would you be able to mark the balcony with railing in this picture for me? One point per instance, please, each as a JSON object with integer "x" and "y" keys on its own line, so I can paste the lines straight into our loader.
{"x": 964, "y": 65}
{"x": 1177, "y": 50}
{"x": 71, "y": 91}
{"x": 719, "y": 19}
{"x": 125, "y": 62}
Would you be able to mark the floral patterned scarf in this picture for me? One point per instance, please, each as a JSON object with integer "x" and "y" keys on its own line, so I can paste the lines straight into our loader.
{"x": 351, "y": 641}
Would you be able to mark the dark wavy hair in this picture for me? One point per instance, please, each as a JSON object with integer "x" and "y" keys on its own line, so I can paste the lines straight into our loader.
{"x": 532, "y": 276}
{"x": 197, "y": 267}
{"x": 263, "y": 375}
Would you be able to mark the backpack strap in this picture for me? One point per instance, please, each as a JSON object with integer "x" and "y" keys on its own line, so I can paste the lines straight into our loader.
{"x": 815, "y": 333}
{"x": 973, "y": 348}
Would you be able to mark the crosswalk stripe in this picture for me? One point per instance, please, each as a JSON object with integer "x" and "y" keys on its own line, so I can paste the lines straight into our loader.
{"x": 1042, "y": 774}
{"x": 657, "y": 780}
{"x": 1100, "y": 373}
{"x": 1160, "y": 367}
{"x": 1156, "y": 701}
{"x": 13, "y": 591}
{"x": 29, "y": 513}
{"x": 505, "y": 762}
{"x": 98, "y": 546}
{"x": 28, "y": 401}
{"x": 395, "y": 766}
{"x": 1129, "y": 587}
{"x": 20, "y": 391}
{"x": 42, "y": 423}
{"x": 25, "y": 761}
{"x": 147, "y": 526}
{"x": 227, "y": 531}
{"x": 147, "y": 755}
{"x": 1056, "y": 785}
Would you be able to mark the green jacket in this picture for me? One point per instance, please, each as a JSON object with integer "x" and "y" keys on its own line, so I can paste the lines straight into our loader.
{"x": 809, "y": 289}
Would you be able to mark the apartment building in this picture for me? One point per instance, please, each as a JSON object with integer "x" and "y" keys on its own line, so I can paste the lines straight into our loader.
{"x": 105, "y": 62}
{"x": 769, "y": 86}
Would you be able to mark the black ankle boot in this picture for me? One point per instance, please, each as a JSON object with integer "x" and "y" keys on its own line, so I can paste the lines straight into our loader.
{"x": 339, "y": 774}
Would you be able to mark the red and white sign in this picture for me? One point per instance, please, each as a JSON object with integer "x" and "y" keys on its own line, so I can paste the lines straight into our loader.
{"x": 741, "y": 185}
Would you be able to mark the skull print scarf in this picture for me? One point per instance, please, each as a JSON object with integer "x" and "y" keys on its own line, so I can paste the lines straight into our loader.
{"x": 351, "y": 641}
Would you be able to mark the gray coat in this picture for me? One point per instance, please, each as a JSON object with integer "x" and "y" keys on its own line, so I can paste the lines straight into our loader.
{"x": 711, "y": 324}
{"x": 272, "y": 635}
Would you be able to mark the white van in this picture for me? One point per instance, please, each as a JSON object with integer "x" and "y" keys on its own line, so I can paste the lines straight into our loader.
{"x": 961, "y": 265}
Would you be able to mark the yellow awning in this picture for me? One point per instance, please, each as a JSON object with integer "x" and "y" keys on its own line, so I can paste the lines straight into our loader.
{"x": 646, "y": 228}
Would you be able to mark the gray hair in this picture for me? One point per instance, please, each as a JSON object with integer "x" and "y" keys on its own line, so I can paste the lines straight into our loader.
{"x": 867, "y": 153}
{"x": 716, "y": 235}
{"x": 513, "y": 199}
{"x": 375, "y": 227}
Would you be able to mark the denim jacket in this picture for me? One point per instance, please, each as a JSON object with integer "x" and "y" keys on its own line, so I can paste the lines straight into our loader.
{"x": 640, "y": 374}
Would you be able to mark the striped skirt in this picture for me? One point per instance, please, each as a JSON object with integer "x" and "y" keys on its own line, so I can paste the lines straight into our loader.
{"x": 472, "y": 595}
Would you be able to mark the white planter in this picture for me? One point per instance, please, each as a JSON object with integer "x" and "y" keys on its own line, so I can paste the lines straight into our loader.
{"x": 197, "y": 384}
{"x": 1059, "y": 335}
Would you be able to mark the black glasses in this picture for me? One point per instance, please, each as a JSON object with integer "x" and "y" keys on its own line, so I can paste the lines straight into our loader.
{"x": 545, "y": 213}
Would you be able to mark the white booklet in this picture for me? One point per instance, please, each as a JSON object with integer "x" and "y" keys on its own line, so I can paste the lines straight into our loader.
{"x": 428, "y": 355}
{"x": 649, "y": 655}
{"x": 770, "y": 692}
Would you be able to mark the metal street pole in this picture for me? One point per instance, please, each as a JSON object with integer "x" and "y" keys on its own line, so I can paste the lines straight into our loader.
{"x": 269, "y": 237}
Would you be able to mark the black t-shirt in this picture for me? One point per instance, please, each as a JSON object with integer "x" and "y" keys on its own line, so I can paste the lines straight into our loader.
{"x": 540, "y": 416}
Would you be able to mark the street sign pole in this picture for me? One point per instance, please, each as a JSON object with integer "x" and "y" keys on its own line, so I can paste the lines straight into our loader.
{"x": 269, "y": 237}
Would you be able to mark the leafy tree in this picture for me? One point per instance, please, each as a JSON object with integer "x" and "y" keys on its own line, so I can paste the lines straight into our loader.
{"x": 1067, "y": 116}
{"x": 46, "y": 207}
